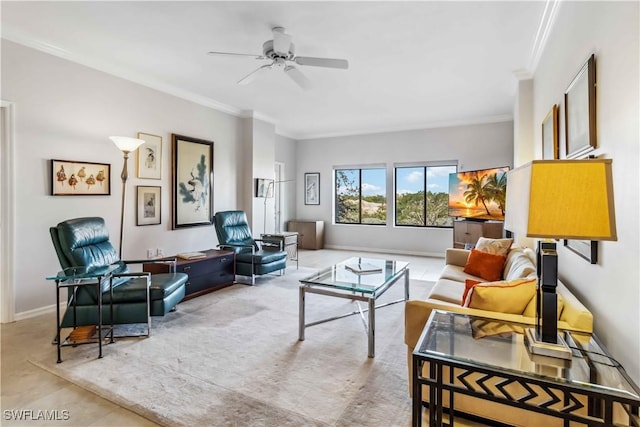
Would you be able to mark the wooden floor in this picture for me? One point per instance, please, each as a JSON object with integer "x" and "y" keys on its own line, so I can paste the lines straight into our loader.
{"x": 25, "y": 387}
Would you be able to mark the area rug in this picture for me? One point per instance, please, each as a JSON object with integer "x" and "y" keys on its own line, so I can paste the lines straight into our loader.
{"x": 232, "y": 358}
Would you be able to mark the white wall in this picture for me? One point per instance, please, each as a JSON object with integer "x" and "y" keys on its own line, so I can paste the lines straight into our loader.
{"x": 610, "y": 30}
{"x": 67, "y": 111}
{"x": 285, "y": 152}
{"x": 473, "y": 146}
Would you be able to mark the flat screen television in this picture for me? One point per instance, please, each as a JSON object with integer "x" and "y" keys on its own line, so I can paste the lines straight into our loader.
{"x": 478, "y": 195}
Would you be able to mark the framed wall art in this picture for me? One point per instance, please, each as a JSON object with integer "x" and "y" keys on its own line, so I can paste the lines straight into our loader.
{"x": 312, "y": 188}
{"x": 148, "y": 205}
{"x": 150, "y": 156}
{"x": 264, "y": 187}
{"x": 580, "y": 111}
{"x": 192, "y": 181}
{"x": 550, "y": 134}
{"x": 587, "y": 249}
{"x": 74, "y": 178}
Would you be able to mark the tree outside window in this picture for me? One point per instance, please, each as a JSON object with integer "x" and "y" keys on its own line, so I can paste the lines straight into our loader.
{"x": 422, "y": 196}
{"x": 360, "y": 196}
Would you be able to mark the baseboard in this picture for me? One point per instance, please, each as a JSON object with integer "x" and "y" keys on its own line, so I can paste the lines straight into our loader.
{"x": 386, "y": 251}
{"x": 48, "y": 309}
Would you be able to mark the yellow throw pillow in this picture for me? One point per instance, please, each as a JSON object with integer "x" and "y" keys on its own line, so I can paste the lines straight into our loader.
{"x": 504, "y": 296}
{"x": 530, "y": 310}
{"x": 494, "y": 246}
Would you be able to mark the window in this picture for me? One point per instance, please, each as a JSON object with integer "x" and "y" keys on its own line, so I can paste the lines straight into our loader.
{"x": 422, "y": 195}
{"x": 361, "y": 196}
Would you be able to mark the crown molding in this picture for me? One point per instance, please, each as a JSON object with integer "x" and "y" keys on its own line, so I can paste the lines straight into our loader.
{"x": 544, "y": 28}
{"x": 114, "y": 70}
{"x": 411, "y": 127}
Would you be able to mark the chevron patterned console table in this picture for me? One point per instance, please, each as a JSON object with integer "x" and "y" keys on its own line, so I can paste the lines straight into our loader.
{"x": 480, "y": 369}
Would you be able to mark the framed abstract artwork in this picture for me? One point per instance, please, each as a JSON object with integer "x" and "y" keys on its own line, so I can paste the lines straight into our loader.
{"x": 192, "y": 181}
{"x": 150, "y": 156}
{"x": 148, "y": 205}
{"x": 550, "y": 134}
{"x": 73, "y": 178}
{"x": 580, "y": 112}
{"x": 264, "y": 187}
{"x": 312, "y": 188}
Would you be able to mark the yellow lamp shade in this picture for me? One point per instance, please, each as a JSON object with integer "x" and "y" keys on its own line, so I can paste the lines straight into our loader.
{"x": 562, "y": 199}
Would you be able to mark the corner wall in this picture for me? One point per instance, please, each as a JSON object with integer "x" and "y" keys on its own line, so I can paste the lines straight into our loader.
{"x": 610, "y": 30}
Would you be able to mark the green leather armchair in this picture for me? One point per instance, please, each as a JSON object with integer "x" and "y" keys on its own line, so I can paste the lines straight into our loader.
{"x": 85, "y": 242}
{"x": 252, "y": 259}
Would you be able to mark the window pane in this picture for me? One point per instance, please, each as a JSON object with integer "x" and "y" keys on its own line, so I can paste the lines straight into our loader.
{"x": 438, "y": 196}
{"x": 374, "y": 196}
{"x": 410, "y": 196}
{"x": 348, "y": 196}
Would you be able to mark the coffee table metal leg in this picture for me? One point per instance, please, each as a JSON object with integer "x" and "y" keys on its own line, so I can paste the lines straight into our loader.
{"x": 301, "y": 315}
{"x": 406, "y": 284}
{"x": 372, "y": 327}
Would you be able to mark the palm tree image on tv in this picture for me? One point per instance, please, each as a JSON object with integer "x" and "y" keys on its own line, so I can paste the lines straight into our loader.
{"x": 478, "y": 194}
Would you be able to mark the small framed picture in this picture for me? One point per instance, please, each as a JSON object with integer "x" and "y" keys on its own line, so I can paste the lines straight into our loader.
{"x": 150, "y": 156}
{"x": 587, "y": 249}
{"x": 264, "y": 187}
{"x": 580, "y": 111}
{"x": 312, "y": 188}
{"x": 73, "y": 178}
{"x": 550, "y": 135}
{"x": 148, "y": 206}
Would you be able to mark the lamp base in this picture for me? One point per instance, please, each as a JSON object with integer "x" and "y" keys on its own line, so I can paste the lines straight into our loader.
{"x": 535, "y": 345}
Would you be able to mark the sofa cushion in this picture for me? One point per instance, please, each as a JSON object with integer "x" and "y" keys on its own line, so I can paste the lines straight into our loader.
{"x": 518, "y": 265}
{"x": 502, "y": 296}
{"x": 456, "y": 273}
{"x": 494, "y": 246}
{"x": 485, "y": 265}
{"x": 447, "y": 290}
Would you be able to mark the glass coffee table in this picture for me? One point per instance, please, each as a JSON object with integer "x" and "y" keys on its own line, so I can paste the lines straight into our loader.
{"x": 460, "y": 356}
{"x": 357, "y": 279}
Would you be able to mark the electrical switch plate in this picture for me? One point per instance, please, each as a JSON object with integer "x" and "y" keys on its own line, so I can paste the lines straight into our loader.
{"x": 150, "y": 253}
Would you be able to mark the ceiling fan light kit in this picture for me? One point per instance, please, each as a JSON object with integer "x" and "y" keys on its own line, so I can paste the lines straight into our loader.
{"x": 280, "y": 51}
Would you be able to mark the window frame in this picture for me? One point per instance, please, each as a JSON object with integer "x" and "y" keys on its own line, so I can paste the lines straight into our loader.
{"x": 424, "y": 166}
{"x": 359, "y": 168}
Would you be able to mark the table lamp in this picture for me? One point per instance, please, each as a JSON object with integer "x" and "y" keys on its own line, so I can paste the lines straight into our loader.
{"x": 558, "y": 199}
{"x": 126, "y": 145}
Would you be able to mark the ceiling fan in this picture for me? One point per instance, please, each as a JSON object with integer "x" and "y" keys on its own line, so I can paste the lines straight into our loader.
{"x": 281, "y": 53}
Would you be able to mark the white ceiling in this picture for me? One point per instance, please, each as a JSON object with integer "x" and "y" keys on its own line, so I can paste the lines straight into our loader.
{"x": 411, "y": 64}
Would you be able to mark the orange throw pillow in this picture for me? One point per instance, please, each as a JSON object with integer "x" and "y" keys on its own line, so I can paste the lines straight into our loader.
{"x": 468, "y": 284}
{"x": 485, "y": 265}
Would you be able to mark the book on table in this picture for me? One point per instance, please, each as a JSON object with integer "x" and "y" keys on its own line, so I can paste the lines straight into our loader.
{"x": 191, "y": 255}
{"x": 363, "y": 268}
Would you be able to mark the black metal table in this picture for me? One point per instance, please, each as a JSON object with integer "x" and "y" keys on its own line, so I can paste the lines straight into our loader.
{"x": 74, "y": 277}
{"x": 487, "y": 359}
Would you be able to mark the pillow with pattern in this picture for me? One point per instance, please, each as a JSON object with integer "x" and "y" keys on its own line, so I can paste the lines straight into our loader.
{"x": 494, "y": 246}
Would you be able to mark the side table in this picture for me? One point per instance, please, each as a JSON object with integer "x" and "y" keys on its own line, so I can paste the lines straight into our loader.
{"x": 287, "y": 240}
{"x": 75, "y": 277}
{"x": 485, "y": 359}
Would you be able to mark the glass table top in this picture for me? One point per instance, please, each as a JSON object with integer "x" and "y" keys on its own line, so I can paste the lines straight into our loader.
{"x": 501, "y": 347}
{"x": 376, "y": 273}
{"x": 77, "y": 273}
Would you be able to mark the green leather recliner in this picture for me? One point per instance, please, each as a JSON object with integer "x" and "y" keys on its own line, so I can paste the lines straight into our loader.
{"x": 232, "y": 229}
{"x": 85, "y": 242}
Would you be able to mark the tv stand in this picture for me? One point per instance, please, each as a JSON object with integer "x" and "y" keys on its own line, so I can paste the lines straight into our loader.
{"x": 466, "y": 232}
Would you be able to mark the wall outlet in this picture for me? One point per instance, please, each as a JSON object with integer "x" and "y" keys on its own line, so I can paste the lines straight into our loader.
{"x": 159, "y": 252}
{"x": 150, "y": 253}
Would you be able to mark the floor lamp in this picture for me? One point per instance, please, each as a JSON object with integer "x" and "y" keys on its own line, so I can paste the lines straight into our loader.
{"x": 126, "y": 145}
{"x": 558, "y": 199}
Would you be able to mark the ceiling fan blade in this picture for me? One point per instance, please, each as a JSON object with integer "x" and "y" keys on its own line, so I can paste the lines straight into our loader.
{"x": 281, "y": 41}
{"x": 298, "y": 77}
{"x": 322, "y": 62}
{"x": 254, "y": 74}
{"x": 236, "y": 54}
